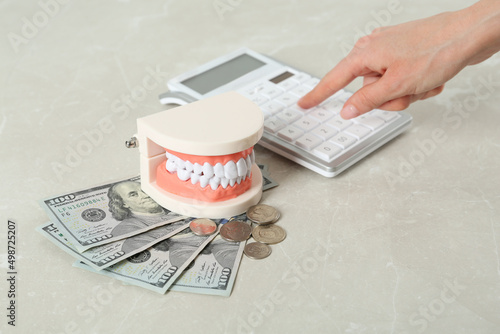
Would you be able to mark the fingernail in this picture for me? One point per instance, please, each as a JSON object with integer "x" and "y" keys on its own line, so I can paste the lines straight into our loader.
{"x": 349, "y": 112}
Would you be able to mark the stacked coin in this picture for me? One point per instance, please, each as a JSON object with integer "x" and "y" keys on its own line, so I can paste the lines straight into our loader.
{"x": 265, "y": 233}
{"x": 263, "y": 214}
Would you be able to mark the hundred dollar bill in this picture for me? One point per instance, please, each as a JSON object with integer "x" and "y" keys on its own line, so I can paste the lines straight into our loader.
{"x": 267, "y": 181}
{"x": 106, "y": 213}
{"x": 101, "y": 257}
{"x": 159, "y": 266}
{"x": 214, "y": 269}
{"x": 263, "y": 168}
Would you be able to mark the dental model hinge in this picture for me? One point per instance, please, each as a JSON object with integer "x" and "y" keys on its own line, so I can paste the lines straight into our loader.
{"x": 132, "y": 143}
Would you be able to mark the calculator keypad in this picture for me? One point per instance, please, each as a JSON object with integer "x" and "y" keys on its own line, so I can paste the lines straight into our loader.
{"x": 319, "y": 131}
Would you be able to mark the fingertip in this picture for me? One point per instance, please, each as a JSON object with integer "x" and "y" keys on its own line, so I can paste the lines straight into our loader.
{"x": 309, "y": 100}
{"x": 349, "y": 111}
{"x": 304, "y": 102}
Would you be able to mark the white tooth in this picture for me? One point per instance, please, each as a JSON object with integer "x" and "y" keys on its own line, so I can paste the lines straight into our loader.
{"x": 183, "y": 174}
{"x": 238, "y": 180}
{"x": 204, "y": 181}
{"x": 214, "y": 183}
{"x": 224, "y": 182}
{"x": 249, "y": 163}
{"x": 232, "y": 182}
{"x": 242, "y": 167}
{"x": 252, "y": 157}
{"x": 219, "y": 170}
{"x": 169, "y": 155}
{"x": 195, "y": 178}
{"x": 197, "y": 168}
{"x": 171, "y": 166}
{"x": 244, "y": 177}
{"x": 181, "y": 164}
{"x": 230, "y": 171}
{"x": 189, "y": 166}
{"x": 208, "y": 170}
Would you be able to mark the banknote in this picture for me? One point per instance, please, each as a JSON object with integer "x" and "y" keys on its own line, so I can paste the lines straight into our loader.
{"x": 157, "y": 267}
{"x": 103, "y": 256}
{"x": 267, "y": 181}
{"x": 263, "y": 168}
{"x": 214, "y": 270}
{"x": 106, "y": 213}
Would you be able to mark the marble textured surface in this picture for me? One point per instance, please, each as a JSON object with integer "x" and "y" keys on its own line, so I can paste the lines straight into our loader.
{"x": 405, "y": 241}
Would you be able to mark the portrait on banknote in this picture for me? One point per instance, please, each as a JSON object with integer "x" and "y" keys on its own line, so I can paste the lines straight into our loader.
{"x": 133, "y": 208}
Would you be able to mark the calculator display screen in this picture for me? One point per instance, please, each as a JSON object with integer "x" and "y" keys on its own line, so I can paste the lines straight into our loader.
{"x": 223, "y": 73}
{"x": 281, "y": 77}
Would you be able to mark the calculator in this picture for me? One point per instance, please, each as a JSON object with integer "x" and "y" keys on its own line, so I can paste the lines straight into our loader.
{"x": 317, "y": 138}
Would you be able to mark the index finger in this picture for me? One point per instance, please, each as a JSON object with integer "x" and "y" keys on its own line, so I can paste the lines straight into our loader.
{"x": 338, "y": 77}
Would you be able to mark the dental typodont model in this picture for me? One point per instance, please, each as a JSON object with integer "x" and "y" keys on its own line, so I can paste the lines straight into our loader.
{"x": 198, "y": 160}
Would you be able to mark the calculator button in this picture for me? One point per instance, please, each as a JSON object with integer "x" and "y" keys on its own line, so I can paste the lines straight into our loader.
{"x": 343, "y": 95}
{"x": 306, "y": 123}
{"x": 308, "y": 141}
{"x": 290, "y": 133}
{"x": 296, "y": 107}
{"x": 327, "y": 151}
{"x": 387, "y": 116}
{"x": 339, "y": 123}
{"x": 250, "y": 90}
{"x": 321, "y": 115}
{"x": 288, "y": 84}
{"x": 339, "y": 94}
{"x": 343, "y": 140}
{"x": 301, "y": 77}
{"x": 289, "y": 115}
{"x": 271, "y": 107}
{"x": 287, "y": 99}
{"x": 259, "y": 99}
{"x": 272, "y": 91}
{"x": 254, "y": 96}
{"x": 358, "y": 131}
{"x": 311, "y": 82}
{"x": 300, "y": 90}
{"x": 274, "y": 124}
{"x": 324, "y": 131}
{"x": 332, "y": 105}
{"x": 370, "y": 121}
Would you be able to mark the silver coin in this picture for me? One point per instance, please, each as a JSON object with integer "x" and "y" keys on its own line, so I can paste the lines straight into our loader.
{"x": 235, "y": 231}
{"x": 268, "y": 234}
{"x": 203, "y": 226}
{"x": 263, "y": 214}
{"x": 257, "y": 250}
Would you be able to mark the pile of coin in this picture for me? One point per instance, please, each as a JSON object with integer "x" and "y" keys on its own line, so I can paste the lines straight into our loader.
{"x": 265, "y": 233}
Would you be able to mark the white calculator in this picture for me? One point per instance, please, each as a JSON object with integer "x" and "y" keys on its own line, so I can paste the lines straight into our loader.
{"x": 316, "y": 138}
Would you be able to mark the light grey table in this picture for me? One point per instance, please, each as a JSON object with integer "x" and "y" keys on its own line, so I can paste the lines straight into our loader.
{"x": 405, "y": 241}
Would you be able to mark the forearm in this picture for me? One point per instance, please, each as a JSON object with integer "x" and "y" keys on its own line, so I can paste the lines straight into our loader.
{"x": 483, "y": 30}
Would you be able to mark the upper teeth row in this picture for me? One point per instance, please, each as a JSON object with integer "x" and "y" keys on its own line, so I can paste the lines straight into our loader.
{"x": 228, "y": 174}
